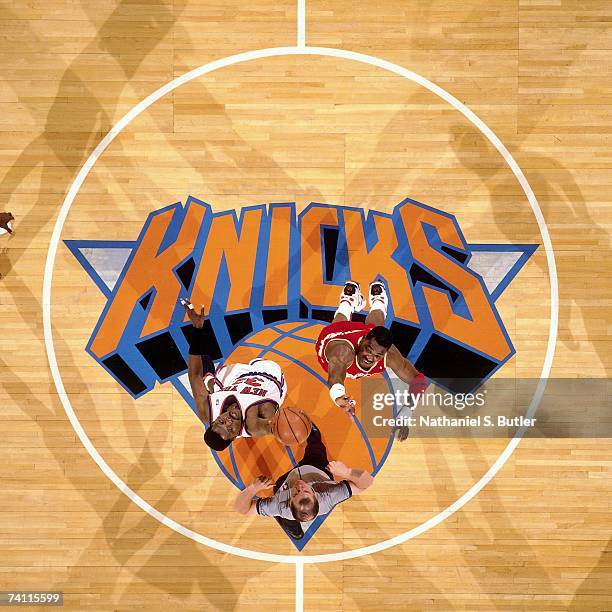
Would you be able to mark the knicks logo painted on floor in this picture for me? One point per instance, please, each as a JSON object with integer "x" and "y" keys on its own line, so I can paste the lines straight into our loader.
{"x": 269, "y": 279}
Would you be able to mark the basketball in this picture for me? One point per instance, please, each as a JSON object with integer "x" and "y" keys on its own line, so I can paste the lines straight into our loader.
{"x": 291, "y": 426}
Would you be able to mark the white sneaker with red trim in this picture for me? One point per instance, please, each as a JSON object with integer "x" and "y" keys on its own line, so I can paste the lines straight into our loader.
{"x": 377, "y": 296}
{"x": 351, "y": 299}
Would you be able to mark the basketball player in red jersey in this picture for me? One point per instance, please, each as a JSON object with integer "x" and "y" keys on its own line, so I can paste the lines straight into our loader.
{"x": 354, "y": 349}
{"x": 237, "y": 400}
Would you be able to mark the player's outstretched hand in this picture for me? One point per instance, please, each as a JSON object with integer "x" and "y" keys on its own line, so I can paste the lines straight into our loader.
{"x": 402, "y": 433}
{"x": 347, "y": 404}
{"x": 337, "y": 468}
{"x": 261, "y": 482}
{"x": 197, "y": 320}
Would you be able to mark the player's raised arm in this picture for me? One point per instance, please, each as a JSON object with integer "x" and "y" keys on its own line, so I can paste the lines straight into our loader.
{"x": 405, "y": 370}
{"x": 339, "y": 357}
{"x": 200, "y": 367}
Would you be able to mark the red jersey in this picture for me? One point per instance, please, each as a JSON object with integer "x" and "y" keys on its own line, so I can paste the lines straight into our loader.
{"x": 351, "y": 332}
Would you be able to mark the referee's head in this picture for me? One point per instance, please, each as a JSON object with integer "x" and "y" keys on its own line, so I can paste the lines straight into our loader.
{"x": 304, "y": 503}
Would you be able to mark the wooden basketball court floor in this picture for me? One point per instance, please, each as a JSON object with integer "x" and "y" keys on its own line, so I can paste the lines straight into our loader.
{"x": 301, "y": 128}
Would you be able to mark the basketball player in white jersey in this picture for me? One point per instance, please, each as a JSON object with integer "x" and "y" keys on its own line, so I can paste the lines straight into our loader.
{"x": 238, "y": 400}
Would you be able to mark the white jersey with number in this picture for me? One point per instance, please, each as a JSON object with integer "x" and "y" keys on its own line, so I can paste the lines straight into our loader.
{"x": 249, "y": 384}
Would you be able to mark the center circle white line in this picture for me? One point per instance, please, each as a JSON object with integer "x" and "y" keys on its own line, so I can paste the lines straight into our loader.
{"x": 301, "y": 23}
{"x": 230, "y": 61}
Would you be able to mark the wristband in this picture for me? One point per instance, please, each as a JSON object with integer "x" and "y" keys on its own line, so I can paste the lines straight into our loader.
{"x": 208, "y": 365}
{"x": 336, "y": 391}
{"x": 418, "y": 385}
{"x": 197, "y": 341}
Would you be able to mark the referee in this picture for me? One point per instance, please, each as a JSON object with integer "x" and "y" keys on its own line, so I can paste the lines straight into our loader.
{"x": 305, "y": 492}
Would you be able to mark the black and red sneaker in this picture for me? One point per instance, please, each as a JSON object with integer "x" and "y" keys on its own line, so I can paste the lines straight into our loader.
{"x": 378, "y": 295}
{"x": 352, "y": 295}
